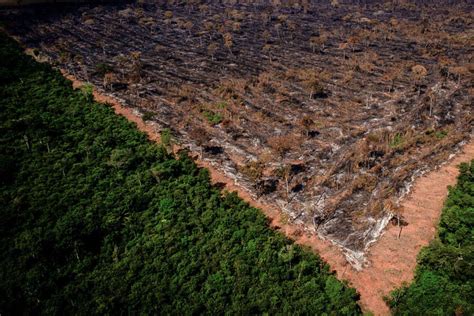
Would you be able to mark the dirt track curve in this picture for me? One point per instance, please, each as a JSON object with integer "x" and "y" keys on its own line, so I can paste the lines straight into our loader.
{"x": 392, "y": 259}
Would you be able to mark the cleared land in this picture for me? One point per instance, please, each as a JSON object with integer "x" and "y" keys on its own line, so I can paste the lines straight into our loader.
{"x": 324, "y": 112}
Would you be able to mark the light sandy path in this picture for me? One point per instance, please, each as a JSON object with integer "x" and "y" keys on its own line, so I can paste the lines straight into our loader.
{"x": 393, "y": 260}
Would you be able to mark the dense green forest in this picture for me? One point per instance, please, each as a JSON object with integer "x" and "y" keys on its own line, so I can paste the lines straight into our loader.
{"x": 444, "y": 280}
{"x": 95, "y": 219}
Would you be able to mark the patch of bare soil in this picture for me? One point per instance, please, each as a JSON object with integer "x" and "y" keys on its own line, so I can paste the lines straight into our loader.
{"x": 392, "y": 259}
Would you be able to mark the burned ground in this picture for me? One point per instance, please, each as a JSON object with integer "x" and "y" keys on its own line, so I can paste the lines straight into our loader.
{"x": 325, "y": 111}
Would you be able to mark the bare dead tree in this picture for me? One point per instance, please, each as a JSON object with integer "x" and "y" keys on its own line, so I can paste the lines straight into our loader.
{"x": 228, "y": 42}
{"x": 418, "y": 73}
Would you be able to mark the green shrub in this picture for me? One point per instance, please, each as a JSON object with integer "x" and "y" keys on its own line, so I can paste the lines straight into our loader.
{"x": 101, "y": 69}
{"x": 396, "y": 141}
{"x": 148, "y": 115}
{"x": 212, "y": 118}
{"x": 88, "y": 91}
{"x": 441, "y": 134}
{"x": 166, "y": 137}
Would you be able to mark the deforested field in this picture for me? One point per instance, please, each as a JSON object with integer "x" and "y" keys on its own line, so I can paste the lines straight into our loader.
{"x": 325, "y": 110}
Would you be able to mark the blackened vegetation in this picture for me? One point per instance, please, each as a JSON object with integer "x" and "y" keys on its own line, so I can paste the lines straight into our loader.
{"x": 347, "y": 89}
{"x": 213, "y": 150}
{"x": 266, "y": 186}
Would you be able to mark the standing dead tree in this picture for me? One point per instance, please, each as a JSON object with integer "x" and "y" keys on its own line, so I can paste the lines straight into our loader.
{"x": 228, "y": 42}
{"x": 306, "y": 123}
{"x": 391, "y": 75}
{"x": 284, "y": 172}
{"x": 418, "y": 73}
{"x": 399, "y": 220}
{"x": 313, "y": 81}
{"x": 283, "y": 144}
{"x": 253, "y": 170}
{"x": 212, "y": 49}
{"x": 318, "y": 41}
{"x": 201, "y": 137}
{"x": 136, "y": 66}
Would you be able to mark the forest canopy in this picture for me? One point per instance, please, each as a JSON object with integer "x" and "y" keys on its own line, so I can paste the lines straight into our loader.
{"x": 97, "y": 219}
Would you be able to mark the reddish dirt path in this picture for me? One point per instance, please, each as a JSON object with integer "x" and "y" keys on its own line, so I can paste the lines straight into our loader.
{"x": 392, "y": 260}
